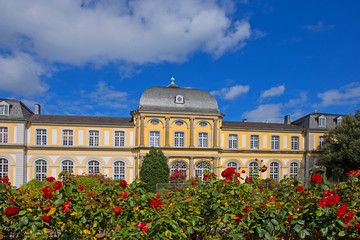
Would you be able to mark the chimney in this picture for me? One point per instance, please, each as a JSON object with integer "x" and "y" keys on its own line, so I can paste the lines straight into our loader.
{"x": 287, "y": 119}
{"x": 37, "y": 109}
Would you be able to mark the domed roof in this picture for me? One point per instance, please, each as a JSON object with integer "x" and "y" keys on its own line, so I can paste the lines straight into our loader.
{"x": 175, "y": 99}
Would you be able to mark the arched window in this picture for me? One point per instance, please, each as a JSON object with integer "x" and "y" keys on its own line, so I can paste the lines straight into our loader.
{"x": 93, "y": 167}
{"x": 253, "y": 169}
{"x": 67, "y": 165}
{"x": 233, "y": 164}
{"x": 119, "y": 170}
{"x": 40, "y": 170}
{"x": 275, "y": 171}
{"x": 294, "y": 170}
{"x": 178, "y": 165}
{"x": 201, "y": 167}
{"x": 4, "y": 168}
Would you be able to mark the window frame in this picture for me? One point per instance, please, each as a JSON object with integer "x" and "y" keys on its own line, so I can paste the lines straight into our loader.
{"x": 233, "y": 143}
{"x": 123, "y": 138}
{"x": 201, "y": 170}
{"x": 292, "y": 142}
{"x": 4, "y": 109}
{"x": 258, "y": 141}
{"x": 120, "y": 166}
{"x": 88, "y": 167}
{"x": 173, "y": 168}
{"x": 254, "y": 170}
{"x": 43, "y": 175}
{"x": 201, "y": 140}
{"x": 321, "y": 142}
{"x": 41, "y": 136}
{"x": 94, "y": 140}
{"x": 322, "y": 121}
{"x": 291, "y": 170}
{"x": 3, "y": 167}
{"x": 271, "y": 142}
{"x": 63, "y": 136}
{"x": 276, "y": 173}
{"x": 183, "y": 139}
{"x": 68, "y": 166}
{"x": 4, "y": 135}
{"x": 151, "y": 141}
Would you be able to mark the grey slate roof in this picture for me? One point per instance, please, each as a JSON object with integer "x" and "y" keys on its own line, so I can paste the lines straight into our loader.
{"x": 18, "y": 110}
{"x": 261, "y": 126}
{"x": 162, "y": 99}
{"x": 81, "y": 119}
{"x": 310, "y": 121}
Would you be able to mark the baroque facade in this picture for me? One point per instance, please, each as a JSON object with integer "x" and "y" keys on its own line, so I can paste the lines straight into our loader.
{"x": 185, "y": 124}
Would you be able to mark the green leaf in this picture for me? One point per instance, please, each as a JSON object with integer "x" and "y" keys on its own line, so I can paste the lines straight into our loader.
{"x": 274, "y": 221}
{"x": 342, "y": 233}
{"x": 22, "y": 212}
{"x": 270, "y": 227}
{"x": 324, "y": 230}
{"x": 302, "y": 222}
{"x": 268, "y": 236}
{"x": 341, "y": 223}
{"x": 2, "y": 188}
{"x": 24, "y": 220}
{"x": 297, "y": 228}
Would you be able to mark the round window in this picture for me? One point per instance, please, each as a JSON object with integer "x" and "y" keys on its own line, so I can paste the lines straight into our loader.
{"x": 179, "y": 123}
{"x": 203, "y": 124}
{"x": 154, "y": 122}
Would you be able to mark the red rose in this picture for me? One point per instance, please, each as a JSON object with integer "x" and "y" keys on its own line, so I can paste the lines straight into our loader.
{"x": 11, "y": 211}
{"x": 316, "y": 178}
{"x": 246, "y": 209}
{"x": 145, "y": 229}
{"x": 117, "y": 209}
{"x": 11, "y": 200}
{"x": 81, "y": 187}
{"x": 66, "y": 209}
{"x": 239, "y": 217}
{"x": 323, "y": 202}
{"x": 5, "y": 179}
{"x": 155, "y": 204}
{"x": 193, "y": 183}
{"x": 46, "y": 218}
{"x": 57, "y": 185}
{"x": 289, "y": 218}
{"x": 206, "y": 176}
{"x": 47, "y": 195}
{"x": 248, "y": 179}
{"x": 50, "y": 179}
{"x": 342, "y": 211}
{"x": 299, "y": 188}
{"x": 242, "y": 171}
{"x": 261, "y": 187}
{"x": 357, "y": 226}
{"x": 262, "y": 205}
{"x": 67, "y": 204}
{"x": 123, "y": 183}
{"x": 263, "y": 169}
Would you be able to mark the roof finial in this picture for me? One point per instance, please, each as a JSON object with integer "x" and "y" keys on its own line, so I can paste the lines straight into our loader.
{"x": 315, "y": 111}
{"x": 172, "y": 79}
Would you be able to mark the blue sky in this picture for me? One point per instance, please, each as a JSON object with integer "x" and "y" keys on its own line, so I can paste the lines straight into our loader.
{"x": 260, "y": 59}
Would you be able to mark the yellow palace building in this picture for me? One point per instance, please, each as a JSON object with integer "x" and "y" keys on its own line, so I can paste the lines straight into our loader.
{"x": 185, "y": 124}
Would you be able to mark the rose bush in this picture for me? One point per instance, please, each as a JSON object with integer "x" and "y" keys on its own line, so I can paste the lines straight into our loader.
{"x": 212, "y": 209}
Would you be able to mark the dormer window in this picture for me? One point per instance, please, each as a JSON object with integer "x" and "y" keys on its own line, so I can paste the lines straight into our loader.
{"x": 4, "y": 108}
{"x": 322, "y": 121}
{"x": 338, "y": 120}
{"x": 179, "y": 99}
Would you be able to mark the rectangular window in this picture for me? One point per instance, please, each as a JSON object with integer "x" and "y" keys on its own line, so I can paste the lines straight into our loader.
{"x": 41, "y": 136}
{"x": 295, "y": 143}
{"x": 275, "y": 142}
{"x": 154, "y": 139}
{"x": 3, "y": 135}
{"x": 179, "y": 139}
{"x": 322, "y": 122}
{"x": 68, "y": 137}
{"x": 233, "y": 141}
{"x": 321, "y": 141}
{"x": 94, "y": 138}
{"x": 4, "y": 110}
{"x": 119, "y": 140}
{"x": 203, "y": 140}
{"x": 254, "y": 142}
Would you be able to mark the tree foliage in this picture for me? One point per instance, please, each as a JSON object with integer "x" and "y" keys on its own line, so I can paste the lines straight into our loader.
{"x": 154, "y": 169}
{"x": 342, "y": 148}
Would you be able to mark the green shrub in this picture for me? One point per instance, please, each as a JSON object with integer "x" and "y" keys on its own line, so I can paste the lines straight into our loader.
{"x": 33, "y": 186}
{"x": 93, "y": 181}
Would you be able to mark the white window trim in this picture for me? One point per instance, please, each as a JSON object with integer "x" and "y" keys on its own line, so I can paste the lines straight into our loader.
{"x": 154, "y": 130}
{"x": 258, "y": 141}
{"x": 87, "y": 166}
{"x": 322, "y": 117}
{"x": 279, "y": 170}
{"x": 61, "y": 165}
{"x": 113, "y": 169}
{"x": 125, "y": 139}
{"x": 228, "y": 142}
{"x": 47, "y": 136}
{"x": 88, "y": 137}
{"x": 34, "y": 167}
{"x": 208, "y": 139}
{"x": 8, "y": 166}
{"x": 299, "y": 142}
{"x": 271, "y": 142}
{"x": 298, "y": 169}
{"x": 8, "y": 133}
{"x": 62, "y": 136}
{"x": 320, "y": 146}
{"x": 3, "y": 103}
{"x": 184, "y": 139}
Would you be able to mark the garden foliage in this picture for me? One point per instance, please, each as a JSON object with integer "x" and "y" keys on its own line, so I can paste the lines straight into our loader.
{"x": 154, "y": 169}
{"x": 209, "y": 209}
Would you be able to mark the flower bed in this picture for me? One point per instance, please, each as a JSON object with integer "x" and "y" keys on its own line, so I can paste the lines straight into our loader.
{"x": 216, "y": 209}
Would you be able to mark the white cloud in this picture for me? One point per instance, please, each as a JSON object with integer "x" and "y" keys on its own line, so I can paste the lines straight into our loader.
{"x": 140, "y": 31}
{"x": 231, "y": 92}
{"x": 272, "y": 92}
{"x": 21, "y": 75}
{"x": 346, "y": 95}
{"x": 318, "y": 27}
{"x": 265, "y": 112}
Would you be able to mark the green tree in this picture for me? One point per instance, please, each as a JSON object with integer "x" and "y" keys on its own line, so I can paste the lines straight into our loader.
{"x": 154, "y": 169}
{"x": 342, "y": 147}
